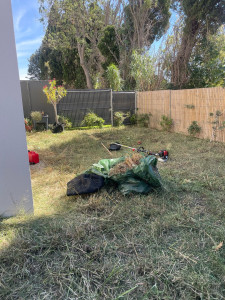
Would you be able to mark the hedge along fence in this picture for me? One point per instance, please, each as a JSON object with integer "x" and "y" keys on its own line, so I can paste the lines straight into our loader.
{"x": 184, "y": 107}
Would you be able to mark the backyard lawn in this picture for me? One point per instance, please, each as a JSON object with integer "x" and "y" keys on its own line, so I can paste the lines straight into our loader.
{"x": 164, "y": 245}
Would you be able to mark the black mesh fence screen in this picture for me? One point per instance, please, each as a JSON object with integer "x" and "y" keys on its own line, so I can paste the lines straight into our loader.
{"x": 124, "y": 102}
{"x": 77, "y": 104}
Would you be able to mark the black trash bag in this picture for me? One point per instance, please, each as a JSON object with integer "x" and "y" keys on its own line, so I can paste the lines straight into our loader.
{"x": 57, "y": 127}
{"x": 85, "y": 184}
{"x": 114, "y": 147}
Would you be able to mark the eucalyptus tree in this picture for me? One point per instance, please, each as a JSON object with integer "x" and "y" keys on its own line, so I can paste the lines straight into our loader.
{"x": 145, "y": 21}
{"x": 201, "y": 18}
{"x": 77, "y": 25}
{"x": 207, "y": 64}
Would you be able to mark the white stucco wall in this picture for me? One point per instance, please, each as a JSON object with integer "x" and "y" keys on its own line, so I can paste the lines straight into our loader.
{"x": 15, "y": 184}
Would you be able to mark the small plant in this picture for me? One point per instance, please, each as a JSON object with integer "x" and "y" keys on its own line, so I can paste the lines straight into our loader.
{"x": 143, "y": 120}
{"x": 36, "y": 116}
{"x": 91, "y": 119}
{"x": 119, "y": 118}
{"x": 133, "y": 119}
{"x": 189, "y": 106}
{"x": 28, "y": 124}
{"x": 194, "y": 128}
{"x": 217, "y": 123}
{"x": 66, "y": 121}
{"x": 54, "y": 95}
{"x": 166, "y": 123}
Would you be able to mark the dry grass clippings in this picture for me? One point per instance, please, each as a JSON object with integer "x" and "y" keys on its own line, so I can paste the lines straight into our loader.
{"x": 129, "y": 163}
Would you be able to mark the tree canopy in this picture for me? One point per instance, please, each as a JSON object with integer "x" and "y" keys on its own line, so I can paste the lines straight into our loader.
{"x": 83, "y": 38}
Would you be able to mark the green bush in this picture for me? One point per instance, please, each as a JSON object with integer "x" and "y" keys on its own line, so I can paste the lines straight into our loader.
{"x": 194, "y": 128}
{"x": 36, "y": 116}
{"x": 91, "y": 119}
{"x": 143, "y": 120}
{"x": 133, "y": 119}
{"x": 166, "y": 123}
{"x": 66, "y": 121}
{"x": 119, "y": 118}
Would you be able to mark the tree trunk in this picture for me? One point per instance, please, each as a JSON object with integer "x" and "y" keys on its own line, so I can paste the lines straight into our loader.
{"x": 179, "y": 72}
{"x": 84, "y": 66}
{"x": 55, "y": 111}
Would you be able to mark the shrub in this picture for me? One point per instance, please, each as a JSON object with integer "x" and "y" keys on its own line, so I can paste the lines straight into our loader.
{"x": 36, "y": 116}
{"x": 194, "y": 128}
{"x": 28, "y": 124}
{"x": 133, "y": 119}
{"x": 114, "y": 78}
{"x": 143, "y": 120}
{"x": 119, "y": 118}
{"x": 66, "y": 121}
{"x": 91, "y": 119}
{"x": 166, "y": 123}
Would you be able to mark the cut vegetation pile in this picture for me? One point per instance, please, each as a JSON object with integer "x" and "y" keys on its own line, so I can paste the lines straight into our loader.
{"x": 128, "y": 164}
{"x": 168, "y": 244}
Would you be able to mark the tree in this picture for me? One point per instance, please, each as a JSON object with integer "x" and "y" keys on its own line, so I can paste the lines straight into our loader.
{"x": 76, "y": 25}
{"x": 37, "y": 68}
{"x": 54, "y": 95}
{"x": 109, "y": 46}
{"x": 207, "y": 64}
{"x": 145, "y": 21}
{"x": 200, "y": 18}
{"x": 114, "y": 79}
{"x": 142, "y": 69}
{"x": 65, "y": 66}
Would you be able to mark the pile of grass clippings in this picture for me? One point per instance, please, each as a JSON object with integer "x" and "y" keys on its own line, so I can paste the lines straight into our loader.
{"x": 129, "y": 163}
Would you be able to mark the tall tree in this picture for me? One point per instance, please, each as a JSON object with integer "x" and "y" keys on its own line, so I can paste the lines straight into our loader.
{"x": 201, "y": 18}
{"x": 37, "y": 68}
{"x": 77, "y": 25}
{"x": 144, "y": 21}
{"x": 207, "y": 64}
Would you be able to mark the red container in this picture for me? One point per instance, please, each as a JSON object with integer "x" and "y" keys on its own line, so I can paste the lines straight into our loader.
{"x": 33, "y": 157}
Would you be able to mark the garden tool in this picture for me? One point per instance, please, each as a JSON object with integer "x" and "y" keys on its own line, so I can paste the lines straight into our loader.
{"x": 162, "y": 155}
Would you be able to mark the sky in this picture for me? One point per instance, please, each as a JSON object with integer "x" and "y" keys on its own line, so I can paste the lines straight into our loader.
{"x": 28, "y": 31}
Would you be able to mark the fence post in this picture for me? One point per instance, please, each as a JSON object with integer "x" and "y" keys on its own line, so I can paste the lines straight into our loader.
{"x": 170, "y": 103}
{"x": 28, "y": 90}
{"x": 111, "y": 104}
{"x": 135, "y": 103}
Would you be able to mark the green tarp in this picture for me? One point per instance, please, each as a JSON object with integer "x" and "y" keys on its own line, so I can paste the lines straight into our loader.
{"x": 141, "y": 178}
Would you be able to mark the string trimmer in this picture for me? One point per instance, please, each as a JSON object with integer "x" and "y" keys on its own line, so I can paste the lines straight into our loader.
{"x": 162, "y": 155}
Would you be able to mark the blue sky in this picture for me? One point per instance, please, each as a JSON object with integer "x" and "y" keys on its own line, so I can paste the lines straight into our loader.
{"x": 28, "y": 31}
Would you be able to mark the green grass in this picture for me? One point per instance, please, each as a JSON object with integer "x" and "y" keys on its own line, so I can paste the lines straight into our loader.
{"x": 92, "y": 127}
{"x": 108, "y": 246}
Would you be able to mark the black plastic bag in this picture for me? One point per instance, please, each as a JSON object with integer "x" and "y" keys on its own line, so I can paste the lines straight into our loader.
{"x": 85, "y": 184}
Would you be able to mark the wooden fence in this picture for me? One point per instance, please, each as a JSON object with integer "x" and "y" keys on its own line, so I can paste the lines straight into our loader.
{"x": 184, "y": 107}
